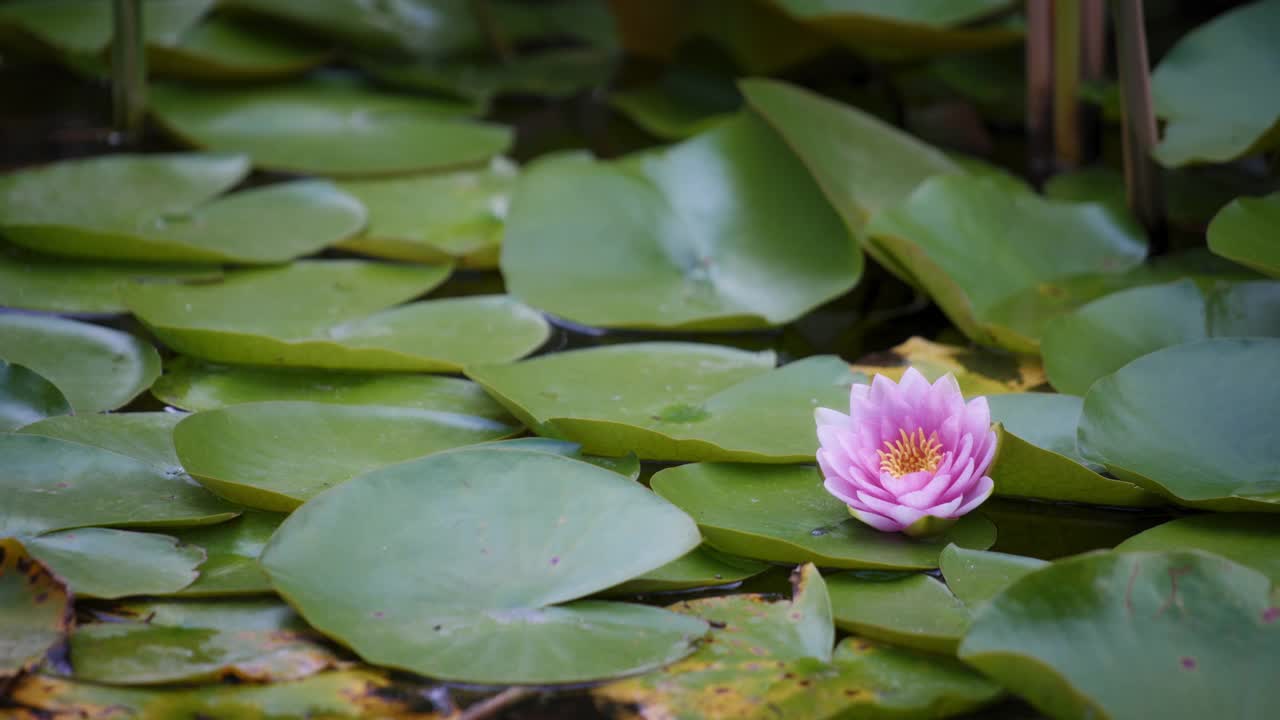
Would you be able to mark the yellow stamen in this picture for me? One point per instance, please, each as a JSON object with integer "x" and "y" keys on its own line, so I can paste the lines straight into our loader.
{"x": 913, "y": 453}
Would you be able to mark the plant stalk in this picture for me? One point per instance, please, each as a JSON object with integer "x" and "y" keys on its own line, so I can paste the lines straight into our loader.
{"x": 1093, "y": 69}
{"x": 1039, "y": 78}
{"x": 128, "y": 72}
{"x": 498, "y": 41}
{"x": 1067, "y": 139}
{"x": 1143, "y": 176}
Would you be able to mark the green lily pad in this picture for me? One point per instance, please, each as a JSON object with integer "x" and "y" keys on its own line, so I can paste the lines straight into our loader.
{"x": 35, "y": 610}
{"x": 628, "y": 465}
{"x": 84, "y": 27}
{"x": 1212, "y": 92}
{"x": 1245, "y": 231}
{"x": 554, "y": 73}
{"x": 783, "y": 514}
{"x": 694, "y": 93}
{"x": 96, "y": 368}
{"x": 976, "y": 576}
{"x": 26, "y": 397}
{"x": 339, "y": 317}
{"x": 978, "y": 370}
{"x": 277, "y": 455}
{"x": 144, "y": 436}
{"x": 265, "y": 613}
{"x": 1107, "y": 334}
{"x": 971, "y": 243}
{"x": 512, "y": 533}
{"x": 62, "y": 285}
{"x": 913, "y": 610}
{"x": 435, "y": 218}
{"x": 774, "y": 659}
{"x": 1038, "y": 459}
{"x": 327, "y": 125}
{"x": 900, "y": 29}
{"x": 1199, "y": 628}
{"x": 346, "y": 694}
{"x": 760, "y": 251}
{"x": 195, "y": 385}
{"x": 1192, "y": 422}
{"x": 704, "y": 566}
{"x": 1250, "y": 540}
{"x": 48, "y": 484}
{"x": 221, "y": 49}
{"x": 103, "y": 563}
{"x": 679, "y": 401}
{"x": 233, "y": 549}
{"x": 165, "y": 208}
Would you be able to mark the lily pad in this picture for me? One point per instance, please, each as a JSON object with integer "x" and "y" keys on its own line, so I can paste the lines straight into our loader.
{"x": 62, "y": 285}
{"x": 222, "y": 49}
{"x": 328, "y": 125}
{"x": 26, "y": 397}
{"x": 1250, "y": 540}
{"x": 627, "y": 466}
{"x": 774, "y": 659}
{"x": 976, "y": 576}
{"x": 914, "y": 610}
{"x": 233, "y": 549}
{"x": 900, "y": 29}
{"x": 96, "y": 368}
{"x": 435, "y": 218}
{"x": 694, "y": 93}
{"x": 1196, "y": 626}
{"x": 553, "y": 73}
{"x": 1192, "y": 422}
{"x": 143, "y": 436}
{"x": 195, "y": 385}
{"x": 1245, "y": 231}
{"x": 680, "y": 401}
{"x": 1038, "y": 458}
{"x": 277, "y": 455}
{"x": 166, "y": 208}
{"x": 103, "y": 563}
{"x": 704, "y": 566}
{"x": 978, "y": 370}
{"x": 783, "y": 514}
{"x": 1105, "y": 335}
{"x": 48, "y": 484}
{"x": 84, "y": 27}
{"x": 759, "y": 251}
{"x": 340, "y": 317}
{"x": 1211, "y": 90}
{"x": 512, "y": 533}
{"x": 971, "y": 244}
{"x": 35, "y": 610}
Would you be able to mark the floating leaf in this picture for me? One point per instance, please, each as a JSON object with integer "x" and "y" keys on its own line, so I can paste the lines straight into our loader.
{"x": 233, "y": 549}
{"x": 339, "y": 317}
{"x": 1038, "y": 458}
{"x": 724, "y": 231}
{"x": 327, "y": 125}
{"x": 512, "y": 533}
{"x": 194, "y": 385}
{"x": 96, "y": 368}
{"x": 433, "y": 218}
{"x": 783, "y": 514}
{"x": 1192, "y": 422}
{"x": 277, "y": 455}
{"x": 978, "y": 370}
{"x": 1245, "y": 231}
{"x": 1194, "y": 625}
{"x": 555, "y": 73}
{"x": 84, "y": 27}
{"x": 1105, "y": 335}
{"x": 61, "y": 285}
{"x": 48, "y": 484}
{"x": 704, "y": 566}
{"x": 976, "y": 576}
{"x": 1250, "y": 540}
{"x": 146, "y": 437}
{"x": 1211, "y": 90}
{"x": 680, "y": 401}
{"x": 694, "y": 93}
{"x": 627, "y": 465}
{"x": 102, "y": 563}
{"x": 971, "y": 244}
{"x": 910, "y": 610}
{"x": 221, "y": 49}
{"x": 166, "y": 208}
{"x": 35, "y": 610}
{"x": 774, "y": 659}
{"x": 26, "y": 396}
{"x": 900, "y": 30}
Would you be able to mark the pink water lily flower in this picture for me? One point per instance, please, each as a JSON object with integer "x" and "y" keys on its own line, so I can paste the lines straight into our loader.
{"x": 909, "y": 457}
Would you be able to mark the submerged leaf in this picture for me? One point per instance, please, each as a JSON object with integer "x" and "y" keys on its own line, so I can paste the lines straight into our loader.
{"x": 26, "y": 397}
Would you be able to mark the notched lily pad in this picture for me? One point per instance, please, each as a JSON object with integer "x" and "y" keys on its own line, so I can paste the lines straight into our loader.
{"x": 1250, "y": 540}
{"x": 104, "y": 563}
{"x": 35, "y": 610}
{"x": 913, "y": 610}
{"x": 1245, "y": 231}
{"x": 233, "y": 548}
{"x": 976, "y": 576}
{"x": 143, "y": 436}
{"x": 26, "y": 396}
{"x": 783, "y": 514}
{"x": 704, "y": 566}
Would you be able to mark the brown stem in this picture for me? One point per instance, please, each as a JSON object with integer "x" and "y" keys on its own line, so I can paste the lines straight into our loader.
{"x": 1039, "y": 67}
{"x": 128, "y": 71}
{"x": 498, "y": 40}
{"x": 1143, "y": 176}
{"x": 490, "y": 707}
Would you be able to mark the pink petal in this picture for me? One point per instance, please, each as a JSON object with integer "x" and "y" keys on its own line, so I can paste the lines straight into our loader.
{"x": 927, "y": 495}
{"x": 979, "y": 495}
{"x": 977, "y": 417}
{"x": 908, "y": 483}
{"x": 988, "y": 455}
{"x": 901, "y": 513}
{"x": 963, "y": 481}
{"x": 828, "y": 417}
{"x": 944, "y": 510}
{"x": 876, "y": 520}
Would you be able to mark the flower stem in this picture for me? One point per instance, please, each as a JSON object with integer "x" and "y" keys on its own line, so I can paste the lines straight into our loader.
{"x": 128, "y": 71}
{"x": 1143, "y": 176}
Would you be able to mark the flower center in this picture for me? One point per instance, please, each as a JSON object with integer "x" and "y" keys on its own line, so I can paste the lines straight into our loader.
{"x": 913, "y": 453}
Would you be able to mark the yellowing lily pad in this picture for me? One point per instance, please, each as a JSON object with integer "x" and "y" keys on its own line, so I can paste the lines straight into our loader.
{"x": 277, "y": 455}
{"x": 96, "y": 368}
{"x": 673, "y": 401}
{"x": 35, "y": 610}
{"x": 724, "y": 231}
{"x": 166, "y": 208}
{"x": 908, "y": 28}
{"x": 978, "y": 370}
{"x": 783, "y": 514}
{"x": 328, "y": 125}
{"x": 26, "y": 397}
{"x": 104, "y": 563}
